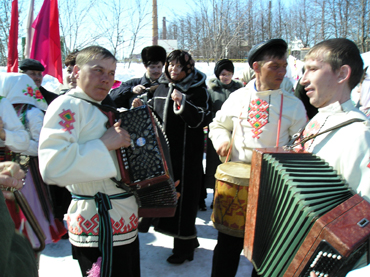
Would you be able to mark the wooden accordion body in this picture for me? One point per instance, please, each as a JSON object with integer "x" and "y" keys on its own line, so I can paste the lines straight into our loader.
{"x": 302, "y": 217}
{"x": 146, "y": 165}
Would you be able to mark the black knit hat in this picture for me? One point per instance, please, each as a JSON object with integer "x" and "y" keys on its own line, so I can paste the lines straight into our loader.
{"x": 153, "y": 54}
{"x": 256, "y": 50}
{"x": 30, "y": 64}
{"x": 223, "y": 64}
{"x": 184, "y": 59}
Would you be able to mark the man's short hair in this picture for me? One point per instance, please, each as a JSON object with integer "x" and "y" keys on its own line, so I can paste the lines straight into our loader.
{"x": 71, "y": 58}
{"x": 92, "y": 52}
{"x": 338, "y": 52}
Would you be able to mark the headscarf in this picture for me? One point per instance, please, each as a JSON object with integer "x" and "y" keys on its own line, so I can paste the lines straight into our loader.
{"x": 185, "y": 59}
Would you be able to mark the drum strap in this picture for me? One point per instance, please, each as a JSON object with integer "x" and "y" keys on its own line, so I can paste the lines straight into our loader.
{"x": 232, "y": 138}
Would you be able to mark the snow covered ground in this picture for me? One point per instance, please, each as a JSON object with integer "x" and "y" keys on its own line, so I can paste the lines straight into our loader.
{"x": 56, "y": 259}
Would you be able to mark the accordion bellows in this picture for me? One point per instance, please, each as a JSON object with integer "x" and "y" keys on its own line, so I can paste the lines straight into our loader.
{"x": 288, "y": 194}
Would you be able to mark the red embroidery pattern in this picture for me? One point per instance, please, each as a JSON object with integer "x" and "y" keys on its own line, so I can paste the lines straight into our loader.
{"x": 311, "y": 129}
{"x": 258, "y": 113}
{"x": 34, "y": 93}
{"x": 368, "y": 165}
{"x": 68, "y": 118}
{"x": 90, "y": 227}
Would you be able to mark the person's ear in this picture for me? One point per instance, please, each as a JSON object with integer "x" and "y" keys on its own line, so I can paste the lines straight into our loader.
{"x": 344, "y": 73}
{"x": 76, "y": 71}
{"x": 256, "y": 67}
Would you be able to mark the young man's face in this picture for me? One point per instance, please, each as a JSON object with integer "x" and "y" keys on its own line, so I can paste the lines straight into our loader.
{"x": 154, "y": 70}
{"x": 71, "y": 80}
{"x": 272, "y": 72}
{"x": 320, "y": 82}
{"x": 35, "y": 75}
{"x": 96, "y": 77}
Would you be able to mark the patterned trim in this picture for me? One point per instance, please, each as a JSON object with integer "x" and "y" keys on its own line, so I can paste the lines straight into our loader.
{"x": 68, "y": 118}
{"x": 258, "y": 115}
{"x": 90, "y": 227}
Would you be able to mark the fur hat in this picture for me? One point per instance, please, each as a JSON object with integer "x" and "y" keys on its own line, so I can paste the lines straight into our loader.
{"x": 184, "y": 59}
{"x": 31, "y": 64}
{"x": 263, "y": 46}
{"x": 223, "y": 64}
{"x": 153, "y": 54}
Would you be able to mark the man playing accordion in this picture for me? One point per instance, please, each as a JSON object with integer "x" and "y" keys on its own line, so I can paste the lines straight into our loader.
{"x": 77, "y": 151}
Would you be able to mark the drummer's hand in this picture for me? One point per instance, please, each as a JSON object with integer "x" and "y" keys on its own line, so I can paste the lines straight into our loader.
{"x": 312, "y": 274}
{"x": 116, "y": 137}
{"x": 223, "y": 149}
{"x": 136, "y": 103}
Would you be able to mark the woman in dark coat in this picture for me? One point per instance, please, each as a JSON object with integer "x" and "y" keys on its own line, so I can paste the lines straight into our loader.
{"x": 181, "y": 103}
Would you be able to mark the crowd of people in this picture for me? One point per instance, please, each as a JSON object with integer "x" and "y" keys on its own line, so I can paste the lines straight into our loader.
{"x": 65, "y": 150}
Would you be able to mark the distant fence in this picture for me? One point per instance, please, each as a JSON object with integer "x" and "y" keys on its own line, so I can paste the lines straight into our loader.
{"x": 213, "y": 60}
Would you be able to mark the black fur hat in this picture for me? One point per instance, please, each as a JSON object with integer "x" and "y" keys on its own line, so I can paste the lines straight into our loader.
{"x": 153, "y": 54}
{"x": 223, "y": 64}
{"x": 31, "y": 64}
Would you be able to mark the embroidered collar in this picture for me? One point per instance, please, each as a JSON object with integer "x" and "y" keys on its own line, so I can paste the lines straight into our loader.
{"x": 252, "y": 85}
{"x": 79, "y": 93}
{"x": 336, "y": 107}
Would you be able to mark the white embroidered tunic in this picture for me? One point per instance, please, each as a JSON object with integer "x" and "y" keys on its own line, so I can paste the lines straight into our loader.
{"x": 258, "y": 124}
{"x": 346, "y": 149}
{"x": 72, "y": 155}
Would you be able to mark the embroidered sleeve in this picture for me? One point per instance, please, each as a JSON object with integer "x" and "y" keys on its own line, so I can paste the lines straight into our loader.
{"x": 70, "y": 149}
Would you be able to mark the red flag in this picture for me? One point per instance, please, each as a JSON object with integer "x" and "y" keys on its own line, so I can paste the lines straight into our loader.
{"x": 46, "y": 40}
{"x": 12, "y": 65}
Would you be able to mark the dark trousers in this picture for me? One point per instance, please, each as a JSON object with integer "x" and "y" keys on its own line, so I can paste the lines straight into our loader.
{"x": 126, "y": 259}
{"x": 226, "y": 255}
{"x": 184, "y": 246}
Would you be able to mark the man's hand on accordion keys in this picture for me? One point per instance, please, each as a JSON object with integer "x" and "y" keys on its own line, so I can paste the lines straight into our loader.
{"x": 116, "y": 137}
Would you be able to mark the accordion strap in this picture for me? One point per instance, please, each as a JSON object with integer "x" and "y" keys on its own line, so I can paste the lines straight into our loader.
{"x": 293, "y": 142}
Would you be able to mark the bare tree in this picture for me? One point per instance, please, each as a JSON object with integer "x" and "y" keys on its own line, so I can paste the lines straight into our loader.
{"x": 114, "y": 29}
{"x": 75, "y": 22}
{"x": 139, "y": 19}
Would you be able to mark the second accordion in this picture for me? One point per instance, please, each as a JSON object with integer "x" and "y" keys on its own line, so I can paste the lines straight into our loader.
{"x": 302, "y": 217}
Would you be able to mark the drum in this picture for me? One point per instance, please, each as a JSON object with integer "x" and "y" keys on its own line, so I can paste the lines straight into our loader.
{"x": 231, "y": 198}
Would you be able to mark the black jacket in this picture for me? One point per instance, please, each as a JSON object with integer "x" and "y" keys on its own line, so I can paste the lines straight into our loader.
{"x": 123, "y": 95}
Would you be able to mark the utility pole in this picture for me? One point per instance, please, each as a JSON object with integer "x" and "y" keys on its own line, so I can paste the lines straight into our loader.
{"x": 155, "y": 23}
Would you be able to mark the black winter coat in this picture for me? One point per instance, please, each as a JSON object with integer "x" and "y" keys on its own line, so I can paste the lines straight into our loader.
{"x": 124, "y": 95}
{"x": 184, "y": 130}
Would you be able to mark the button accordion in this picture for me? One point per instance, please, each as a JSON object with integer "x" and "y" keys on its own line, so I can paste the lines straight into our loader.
{"x": 145, "y": 166}
{"x": 302, "y": 217}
